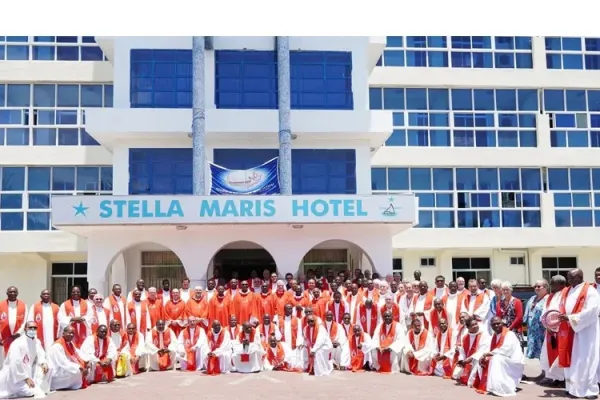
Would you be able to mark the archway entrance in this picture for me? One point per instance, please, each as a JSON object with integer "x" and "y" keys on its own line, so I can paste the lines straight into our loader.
{"x": 331, "y": 257}
{"x": 243, "y": 260}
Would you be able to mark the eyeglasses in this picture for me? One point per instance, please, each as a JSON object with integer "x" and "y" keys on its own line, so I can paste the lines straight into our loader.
{"x": 32, "y": 328}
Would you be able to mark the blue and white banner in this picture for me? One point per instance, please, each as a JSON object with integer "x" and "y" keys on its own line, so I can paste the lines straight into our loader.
{"x": 261, "y": 180}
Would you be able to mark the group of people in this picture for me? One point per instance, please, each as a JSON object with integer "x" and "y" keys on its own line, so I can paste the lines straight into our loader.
{"x": 468, "y": 333}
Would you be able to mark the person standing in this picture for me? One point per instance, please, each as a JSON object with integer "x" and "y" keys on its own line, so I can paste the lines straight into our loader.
{"x": 532, "y": 317}
{"x": 13, "y": 313}
{"x": 45, "y": 315}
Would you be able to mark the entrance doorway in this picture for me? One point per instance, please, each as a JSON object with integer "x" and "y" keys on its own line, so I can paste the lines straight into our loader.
{"x": 243, "y": 262}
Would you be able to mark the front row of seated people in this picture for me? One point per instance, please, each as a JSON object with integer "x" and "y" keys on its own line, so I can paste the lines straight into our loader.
{"x": 488, "y": 363}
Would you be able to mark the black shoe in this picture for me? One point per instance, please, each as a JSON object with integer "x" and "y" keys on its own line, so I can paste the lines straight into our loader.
{"x": 559, "y": 384}
{"x": 591, "y": 397}
{"x": 546, "y": 382}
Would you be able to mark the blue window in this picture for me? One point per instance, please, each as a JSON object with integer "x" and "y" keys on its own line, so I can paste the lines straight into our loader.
{"x": 320, "y": 80}
{"x": 576, "y": 193}
{"x": 49, "y": 114}
{"x": 50, "y": 48}
{"x": 575, "y": 53}
{"x": 432, "y": 117}
{"x": 458, "y": 52}
{"x": 161, "y": 79}
{"x": 467, "y": 197}
{"x": 574, "y": 117}
{"x": 160, "y": 171}
{"x": 25, "y": 192}
{"x": 315, "y": 171}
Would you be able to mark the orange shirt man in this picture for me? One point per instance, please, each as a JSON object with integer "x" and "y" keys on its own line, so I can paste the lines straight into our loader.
{"x": 219, "y": 308}
{"x": 155, "y": 307}
{"x": 175, "y": 312}
{"x": 244, "y": 304}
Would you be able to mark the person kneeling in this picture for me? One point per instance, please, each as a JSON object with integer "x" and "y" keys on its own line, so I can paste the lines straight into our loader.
{"x": 217, "y": 348}
{"x": 500, "y": 370}
{"x": 247, "y": 351}
{"x": 388, "y": 341}
{"x": 161, "y": 345}
{"x": 25, "y": 372}
{"x": 317, "y": 347}
{"x": 361, "y": 346}
{"x": 102, "y": 352}
{"x": 418, "y": 351}
{"x": 276, "y": 358}
{"x": 70, "y": 366}
{"x": 189, "y": 351}
{"x": 443, "y": 358}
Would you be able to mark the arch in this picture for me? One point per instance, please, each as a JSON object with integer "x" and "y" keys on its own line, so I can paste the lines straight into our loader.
{"x": 349, "y": 243}
{"x": 257, "y": 258}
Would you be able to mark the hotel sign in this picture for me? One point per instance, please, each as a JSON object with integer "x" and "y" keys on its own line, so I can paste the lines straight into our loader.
{"x": 116, "y": 210}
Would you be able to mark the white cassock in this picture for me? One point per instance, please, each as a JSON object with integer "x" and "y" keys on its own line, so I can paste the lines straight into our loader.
{"x": 482, "y": 347}
{"x": 438, "y": 369}
{"x": 419, "y": 307}
{"x": 144, "y": 295}
{"x": 248, "y": 358}
{"x": 88, "y": 348}
{"x": 341, "y": 354}
{"x": 481, "y": 312}
{"x": 122, "y": 309}
{"x": 506, "y": 367}
{"x": 195, "y": 347}
{"x": 184, "y": 294}
{"x": 551, "y": 371}
{"x": 295, "y": 355}
{"x": 288, "y": 357}
{"x": 124, "y": 354}
{"x": 100, "y": 317}
{"x": 353, "y": 306}
{"x": 405, "y": 304}
{"x": 12, "y": 322}
{"x": 424, "y": 355}
{"x": 65, "y": 372}
{"x": 367, "y": 346}
{"x": 23, "y": 361}
{"x": 64, "y": 320}
{"x": 47, "y": 323}
{"x": 223, "y": 352}
{"x": 581, "y": 376}
{"x": 140, "y": 350}
{"x": 152, "y": 350}
{"x": 439, "y": 293}
{"x": 396, "y": 346}
{"x": 137, "y": 305}
{"x": 451, "y": 305}
{"x": 321, "y": 347}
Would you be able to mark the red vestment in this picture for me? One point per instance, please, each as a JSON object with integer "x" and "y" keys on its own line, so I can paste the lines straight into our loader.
{"x": 189, "y": 341}
{"x": 469, "y": 349}
{"x": 79, "y": 327}
{"x": 362, "y": 317}
{"x": 102, "y": 373}
{"x": 385, "y": 341}
{"x": 143, "y": 316}
{"x": 413, "y": 363}
{"x": 566, "y": 335}
{"x": 5, "y": 332}
{"x": 71, "y": 354}
{"x": 219, "y": 308}
{"x": 244, "y": 306}
{"x": 156, "y": 310}
{"x": 480, "y": 382}
{"x": 213, "y": 364}
{"x": 38, "y": 318}
{"x": 164, "y": 360}
{"x": 175, "y": 312}
{"x": 357, "y": 357}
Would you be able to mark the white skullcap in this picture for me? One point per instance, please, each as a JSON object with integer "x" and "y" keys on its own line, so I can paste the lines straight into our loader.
{"x": 152, "y": 289}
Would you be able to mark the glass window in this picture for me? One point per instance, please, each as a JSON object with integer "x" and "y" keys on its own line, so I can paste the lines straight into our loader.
{"x": 572, "y": 53}
{"x": 18, "y": 95}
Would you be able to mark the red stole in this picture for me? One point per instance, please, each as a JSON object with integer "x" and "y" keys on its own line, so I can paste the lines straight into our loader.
{"x": 165, "y": 359}
{"x": 271, "y": 331}
{"x": 294, "y": 328}
{"x": 435, "y": 319}
{"x": 385, "y": 341}
{"x": 310, "y": 341}
{"x": 133, "y": 315}
{"x": 362, "y": 312}
{"x": 332, "y": 331}
{"x": 213, "y": 366}
{"x": 469, "y": 349}
{"x": 478, "y": 302}
{"x": 234, "y": 332}
{"x": 38, "y": 317}
{"x": 190, "y": 341}
{"x": 133, "y": 344}
{"x": 459, "y": 301}
{"x": 413, "y": 363}
{"x": 80, "y": 328}
{"x": 395, "y": 310}
{"x": 357, "y": 357}
{"x": 337, "y": 317}
{"x": 116, "y": 310}
{"x": 426, "y": 307}
{"x": 5, "y": 331}
{"x": 444, "y": 348}
{"x": 480, "y": 382}
{"x": 71, "y": 354}
{"x": 102, "y": 372}
{"x": 566, "y": 335}
{"x": 175, "y": 312}
{"x": 95, "y": 321}
{"x": 276, "y": 356}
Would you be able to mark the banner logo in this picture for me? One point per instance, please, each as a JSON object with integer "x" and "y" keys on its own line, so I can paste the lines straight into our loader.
{"x": 261, "y": 180}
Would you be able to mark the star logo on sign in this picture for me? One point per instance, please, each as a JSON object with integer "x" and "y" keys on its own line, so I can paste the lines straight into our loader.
{"x": 80, "y": 209}
{"x": 391, "y": 199}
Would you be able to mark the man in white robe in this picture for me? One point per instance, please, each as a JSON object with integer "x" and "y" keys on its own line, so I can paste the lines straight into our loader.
{"x": 477, "y": 304}
{"x": 361, "y": 349}
{"x": 217, "y": 348}
{"x": 418, "y": 351}
{"x": 102, "y": 352}
{"x": 140, "y": 286}
{"x": 474, "y": 345}
{"x": 45, "y": 315}
{"x": 161, "y": 346}
{"x": 277, "y": 357}
{"x": 500, "y": 369}
{"x": 185, "y": 291}
{"x": 340, "y": 353}
{"x": 137, "y": 349}
{"x": 25, "y": 372}
{"x": 76, "y": 313}
{"x": 406, "y": 302}
{"x": 579, "y": 336}
{"x": 553, "y": 375}
{"x": 445, "y": 348}
{"x": 122, "y": 360}
{"x": 388, "y": 341}
{"x": 452, "y": 305}
{"x": 247, "y": 350}
{"x": 189, "y": 346}
{"x": 291, "y": 336}
{"x": 70, "y": 366}
{"x": 317, "y": 346}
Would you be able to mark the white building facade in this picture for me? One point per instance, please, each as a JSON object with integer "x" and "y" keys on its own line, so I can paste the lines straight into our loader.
{"x": 494, "y": 135}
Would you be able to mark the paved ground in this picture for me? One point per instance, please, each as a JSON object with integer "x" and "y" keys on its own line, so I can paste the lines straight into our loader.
{"x": 291, "y": 386}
